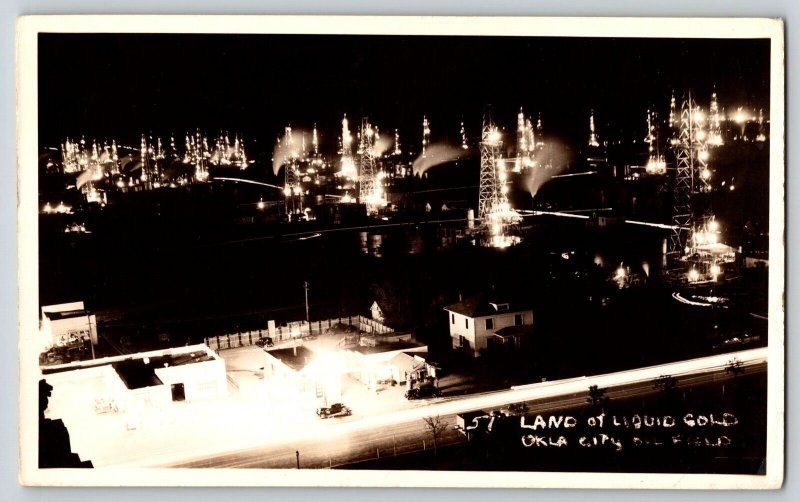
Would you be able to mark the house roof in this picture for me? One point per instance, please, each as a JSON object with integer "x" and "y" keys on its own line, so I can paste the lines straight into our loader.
{"x": 65, "y": 314}
{"x": 296, "y": 360}
{"x": 386, "y": 347}
{"x": 404, "y": 362}
{"x": 486, "y": 304}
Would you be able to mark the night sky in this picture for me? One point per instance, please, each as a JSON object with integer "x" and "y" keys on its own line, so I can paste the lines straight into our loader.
{"x": 120, "y": 85}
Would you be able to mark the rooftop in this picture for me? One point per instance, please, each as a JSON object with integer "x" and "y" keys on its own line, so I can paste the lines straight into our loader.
{"x": 486, "y": 304}
{"x": 296, "y": 358}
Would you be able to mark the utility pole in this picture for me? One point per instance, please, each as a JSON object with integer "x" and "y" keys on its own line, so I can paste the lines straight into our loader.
{"x": 308, "y": 319}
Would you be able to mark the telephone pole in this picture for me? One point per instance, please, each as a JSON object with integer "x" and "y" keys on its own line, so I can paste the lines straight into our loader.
{"x": 308, "y": 319}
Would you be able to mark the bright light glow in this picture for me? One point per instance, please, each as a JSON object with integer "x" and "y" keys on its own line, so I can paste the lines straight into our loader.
{"x": 715, "y": 269}
{"x": 706, "y": 174}
{"x": 704, "y": 155}
{"x": 693, "y": 275}
{"x": 740, "y": 117}
{"x": 699, "y": 116}
{"x": 261, "y": 204}
{"x": 287, "y": 191}
{"x": 701, "y": 135}
{"x": 620, "y": 274}
{"x": 713, "y": 225}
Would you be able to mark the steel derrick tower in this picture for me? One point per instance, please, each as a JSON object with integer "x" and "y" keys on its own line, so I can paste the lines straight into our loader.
{"x": 367, "y": 193}
{"x": 291, "y": 183}
{"x": 490, "y": 193}
{"x": 690, "y": 210}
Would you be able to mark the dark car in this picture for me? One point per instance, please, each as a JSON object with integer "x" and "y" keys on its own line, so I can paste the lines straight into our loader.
{"x": 265, "y": 342}
{"x": 334, "y": 410}
{"x": 423, "y": 392}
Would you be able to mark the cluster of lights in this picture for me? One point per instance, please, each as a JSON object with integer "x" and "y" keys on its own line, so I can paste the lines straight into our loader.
{"x": 61, "y": 208}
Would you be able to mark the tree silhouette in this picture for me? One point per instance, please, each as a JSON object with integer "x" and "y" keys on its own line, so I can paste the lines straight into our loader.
{"x": 597, "y": 397}
{"x": 436, "y": 426}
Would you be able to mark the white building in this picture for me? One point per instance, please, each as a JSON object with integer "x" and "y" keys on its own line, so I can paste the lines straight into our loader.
{"x": 65, "y": 323}
{"x": 129, "y": 383}
{"x": 477, "y": 322}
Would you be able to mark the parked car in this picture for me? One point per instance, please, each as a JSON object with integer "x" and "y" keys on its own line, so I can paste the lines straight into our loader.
{"x": 265, "y": 341}
{"x": 423, "y": 392}
{"x": 334, "y": 410}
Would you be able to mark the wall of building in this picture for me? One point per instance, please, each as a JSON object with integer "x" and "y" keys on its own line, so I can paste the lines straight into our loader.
{"x": 200, "y": 380}
{"x": 500, "y": 321}
{"x": 477, "y": 334}
{"x": 459, "y": 328}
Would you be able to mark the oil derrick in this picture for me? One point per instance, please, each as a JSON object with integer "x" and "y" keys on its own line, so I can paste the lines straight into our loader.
{"x": 291, "y": 183}
{"x": 714, "y": 124}
{"x": 490, "y": 194}
{"x": 593, "y": 142}
{"x": 691, "y": 211}
{"x": 464, "y": 145}
{"x": 426, "y": 135}
{"x": 317, "y": 160}
{"x": 348, "y": 165}
{"x": 655, "y": 159}
{"x": 367, "y": 192}
{"x": 526, "y": 142}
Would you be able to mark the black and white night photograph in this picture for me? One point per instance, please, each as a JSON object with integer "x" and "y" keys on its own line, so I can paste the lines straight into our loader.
{"x": 402, "y": 251}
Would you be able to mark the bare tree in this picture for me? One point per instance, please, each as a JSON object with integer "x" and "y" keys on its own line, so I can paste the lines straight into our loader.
{"x": 597, "y": 397}
{"x": 734, "y": 367}
{"x": 665, "y": 384}
{"x": 436, "y": 426}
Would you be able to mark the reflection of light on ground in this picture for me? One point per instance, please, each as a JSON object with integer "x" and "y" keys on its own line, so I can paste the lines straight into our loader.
{"x": 704, "y": 301}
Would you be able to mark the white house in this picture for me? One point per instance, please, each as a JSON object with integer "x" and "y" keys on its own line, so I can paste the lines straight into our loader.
{"x": 477, "y": 320}
{"x": 376, "y": 312}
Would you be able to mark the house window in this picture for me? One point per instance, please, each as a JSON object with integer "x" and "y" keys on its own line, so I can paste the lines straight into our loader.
{"x": 466, "y": 323}
{"x": 452, "y": 318}
{"x": 462, "y": 341}
{"x": 490, "y": 323}
{"x": 517, "y": 319}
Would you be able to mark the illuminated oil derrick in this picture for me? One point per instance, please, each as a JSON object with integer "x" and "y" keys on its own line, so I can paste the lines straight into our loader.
{"x": 317, "y": 160}
{"x": 539, "y": 133}
{"x": 370, "y": 192}
{"x": 239, "y": 153}
{"x": 526, "y": 142}
{"x": 592, "y": 134}
{"x": 348, "y": 164}
{"x": 464, "y": 145}
{"x": 674, "y": 122}
{"x": 397, "y": 150}
{"x": 291, "y": 186}
{"x": 144, "y": 155}
{"x": 691, "y": 212}
{"x": 762, "y": 128}
{"x": 494, "y": 210}
{"x": 426, "y": 135}
{"x": 655, "y": 160}
{"x": 714, "y": 126}
{"x": 114, "y": 155}
{"x": 489, "y": 191}
{"x": 200, "y": 156}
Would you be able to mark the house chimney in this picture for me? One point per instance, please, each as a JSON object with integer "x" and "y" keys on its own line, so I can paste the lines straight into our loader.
{"x": 294, "y": 350}
{"x": 459, "y": 297}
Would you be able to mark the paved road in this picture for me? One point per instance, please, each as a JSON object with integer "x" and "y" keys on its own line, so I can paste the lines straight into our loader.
{"x": 339, "y": 441}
